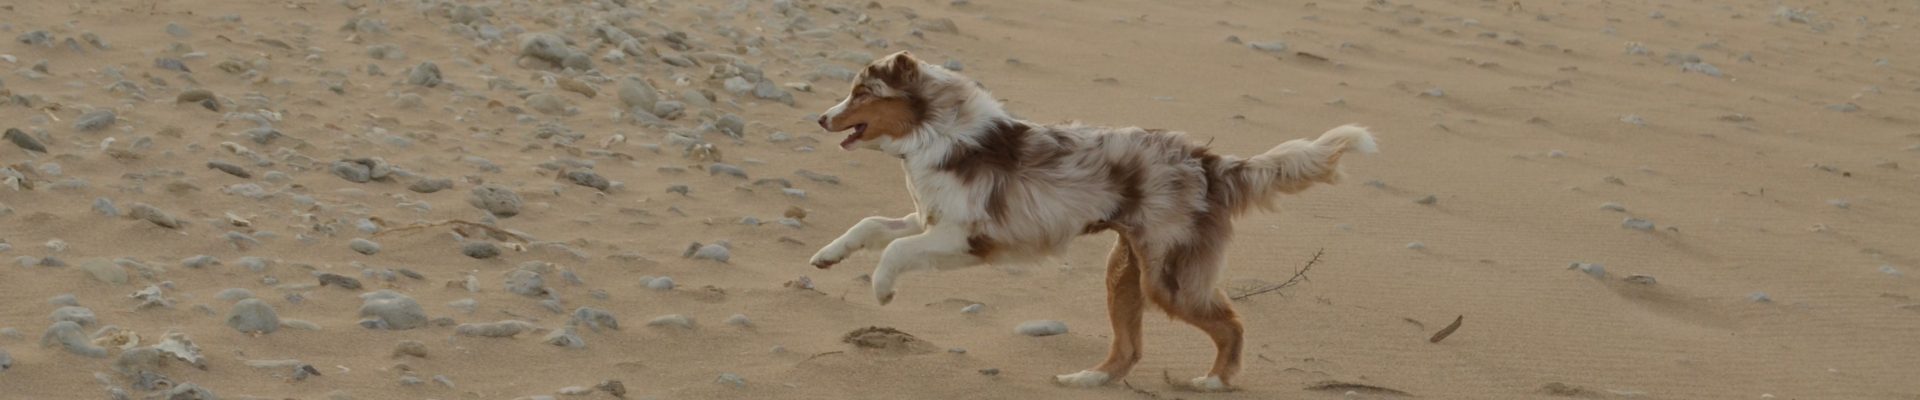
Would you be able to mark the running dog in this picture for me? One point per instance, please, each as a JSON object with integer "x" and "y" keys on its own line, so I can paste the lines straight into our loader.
{"x": 989, "y": 188}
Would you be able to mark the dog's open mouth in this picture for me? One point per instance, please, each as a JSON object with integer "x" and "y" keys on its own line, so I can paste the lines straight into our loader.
{"x": 859, "y": 130}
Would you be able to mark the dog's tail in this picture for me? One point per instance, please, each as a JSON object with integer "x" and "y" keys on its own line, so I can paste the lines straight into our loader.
{"x": 1293, "y": 166}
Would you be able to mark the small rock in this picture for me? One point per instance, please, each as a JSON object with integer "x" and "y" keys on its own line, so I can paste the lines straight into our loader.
{"x": 499, "y": 201}
{"x": 234, "y": 294}
{"x": 199, "y": 261}
{"x": 588, "y": 179}
{"x": 973, "y": 308}
{"x": 426, "y": 74}
{"x": 1636, "y": 223}
{"x": 410, "y": 348}
{"x": 732, "y": 379}
{"x": 526, "y": 283}
{"x": 1429, "y": 200}
{"x": 594, "y": 318}
{"x": 230, "y": 169}
{"x": 661, "y": 283}
{"x": 364, "y": 246}
{"x": 1842, "y": 107}
{"x": 501, "y": 329}
{"x": 1839, "y": 203}
{"x": 565, "y": 337}
{"x": 1759, "y": 297}
{"x": 253, "y": 316}
{"x": 480, "y": 249}
{"x": 728, "y": 169}
{"x": 1270, "y": 47}
{"x": 24, "y": 140}
{"x": 715, "y": 252}
{"x": 676, "y": 321}
{"x": 430, "y": 185}
{"x": 352, "y": 172}
{"x": 105, "y": 271}
{"x": 148, "y": 213}
{"x": 1041, "y": 328}
{"x": 386, "y": 309}
{"x": 95, "y": 120}
{"x": 1641, "y": 279}
{"x": 68, "y": 335}
{"x": 739, "y": 320}
{"x": 341, "y": 281}
{"x": 1597, "y": 271}
{"x": 1615, "y": 207}
{"x": 74, "y": 314}
{"x": 1416, "y": 246}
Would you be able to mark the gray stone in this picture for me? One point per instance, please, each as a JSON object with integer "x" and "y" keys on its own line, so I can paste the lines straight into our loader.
{"x": 352, "y": 172}
{"x": 426, "y": 74}
{"x": 589, "y": 179}
{"x": 337, "y": 280}
{"x": 565, "y": 337}
{"x": 499, "y": 201}
{"x": 391, "y": 310}
{"x": 715, "y": 252}
{"x": 234, "y": 294}
{"x": 149, "y": 213}
{"x": 973, "y": 308}
{"x": 1270, "y": 47}
{"x": 661, "y": 283}
{"x": 95, "y": 120}
{"x": 230, "y": 169}
{"x": 105, "y": 271}
{"x": 545, "y": 47}
{"x": 68, "y": 335}
{"x": 430, "y": 185}
{"x": 364, "y": 246}
{"x": 1759, "y": 297}
{"x": 739, "y": 320}
{"x": 199, "y": 261}
{"x": 501, "y": 329}
{"x": 1637, "y": 224}
{"x": 1041, "y": 328}
{"x": 731, "y": 379}
{"x": 637, "y": 94}
{"x": 480, "y": 249}
{"x": 727, "y": 169}
{"x": 74, "y": 314}
{"x": 104, "y": 207}
{"x": 253, "y": 315}
{"x": 594, "y": 318}
{"x": 526, "y": 283}
{"x": 675, "y": 321}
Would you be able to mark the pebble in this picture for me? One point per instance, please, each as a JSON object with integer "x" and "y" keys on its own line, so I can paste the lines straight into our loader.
{"x": 1842, "y": 107}
{"x": 6, "y": 361}
{"x": 715, "y": 252}
{"x": 105, "y": 208}
{"x": 234, "y": 294}
{"x": 352, "y": 172}
{"x": 1890, "y": 270}
{"x": 1641, "y": 279}
{"x": 588, "y": 179}
{"x": 501, "y": 329}
{"x": 973, "y": 308}
{"x": 95, "y": 120}
{"x": 364, "y": 246}
{"x": 480, "y": 249}
{"x": 1270, "y": 47}
{"x": 253, "y": 315}
{"x": 637, "y": 94}
{"x": 1416, "y": 246}
{"x": 75, "y": 314}
{"x": 1595, "y": 270}
{"x": 68, "y": 335}
{"x": 594, "y": 318}
{"x": 499, "y": 201}
{"x": 661, "y": 283}
{"x": 1759, "y": 297}
{"x": 731, "y": 379}
{"x": 672, "y": 321}
{"x": 728, "y": 169}
{"x": 199, "y": 261}
{"x": 142, "y": 211}
{"x": 1636, "y": 223}
{"x": 426, "y": 74}
{"x": 565, "y": 337}
{"x": 1041, "y": 328}
{"x": 386, "y": 309}
{"x": 1429, "y": 200}
{"x": 104, "y": 271}
{"x": 230, "y": 169}
{"x": 341, "y": 281}
{"x": 739, "y": 320}
{"x": 526, "y": 283}
{"x": 1615, "y": 207}
{"x": 24, "y": 140}
{"x": 1839, "y": 203}
{"x": 410, "y": 348}
{"x": 430, "y": 185}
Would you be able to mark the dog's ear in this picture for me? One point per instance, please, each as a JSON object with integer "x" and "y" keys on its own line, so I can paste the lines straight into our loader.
{"x": 899, "y": 70}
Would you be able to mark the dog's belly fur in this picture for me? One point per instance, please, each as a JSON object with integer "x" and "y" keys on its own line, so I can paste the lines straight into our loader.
{"x": 1027, "y": 190}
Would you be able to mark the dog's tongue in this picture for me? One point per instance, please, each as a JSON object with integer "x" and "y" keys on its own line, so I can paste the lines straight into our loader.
{"x": 848, "y": 143}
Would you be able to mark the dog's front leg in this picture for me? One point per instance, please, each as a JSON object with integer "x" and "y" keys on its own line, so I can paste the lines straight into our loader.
{"x": 870, "y": 232}
{"x": 943, "y": 247}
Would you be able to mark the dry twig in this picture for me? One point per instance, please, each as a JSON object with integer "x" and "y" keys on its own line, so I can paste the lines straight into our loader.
{"x": 1298, "y": 276}
{"x": 1443, "y": 333}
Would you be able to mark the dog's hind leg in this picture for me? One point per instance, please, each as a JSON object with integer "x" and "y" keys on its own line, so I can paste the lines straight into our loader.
{"x": 871, "y": 232}
{"x": 1181, "y": 283}
{"x": 946, "y": 246}
{"x": 1124, "y": 309}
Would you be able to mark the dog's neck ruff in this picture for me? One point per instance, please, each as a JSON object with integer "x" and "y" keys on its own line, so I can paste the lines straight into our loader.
{"x": 944, "y": 129}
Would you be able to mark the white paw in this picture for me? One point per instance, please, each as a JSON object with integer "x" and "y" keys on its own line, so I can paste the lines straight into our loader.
{"x": 830, "y": 255}
{"x": 1209, "y": 384}
{"x": 1082, "y": 379}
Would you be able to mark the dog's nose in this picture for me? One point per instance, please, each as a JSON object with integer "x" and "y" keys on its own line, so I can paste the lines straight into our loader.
{"x": 823, "y": 123}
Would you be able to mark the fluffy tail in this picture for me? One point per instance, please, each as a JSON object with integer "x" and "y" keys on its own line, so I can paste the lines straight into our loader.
{"x": 1294, "y": 166}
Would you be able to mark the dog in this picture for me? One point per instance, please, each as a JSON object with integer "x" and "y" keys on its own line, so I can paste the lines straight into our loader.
{"x": 990, "y": 188}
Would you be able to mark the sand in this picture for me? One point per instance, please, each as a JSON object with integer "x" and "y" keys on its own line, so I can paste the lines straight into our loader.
{"x": 1771, "y": 145}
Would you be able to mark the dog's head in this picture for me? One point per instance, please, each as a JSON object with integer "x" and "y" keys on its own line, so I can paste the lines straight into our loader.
{"x": 885, "y": 104}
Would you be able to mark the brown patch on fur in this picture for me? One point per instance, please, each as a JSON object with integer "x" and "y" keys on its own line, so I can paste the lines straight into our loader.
{"x": 979, "y": 246}
{"x": 999, "y": 153}
{"x": 885, "y": 116}
{"x": 899, "y": 70}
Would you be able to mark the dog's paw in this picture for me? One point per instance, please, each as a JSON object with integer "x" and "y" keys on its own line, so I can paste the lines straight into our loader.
{"x": 1082, "y": 379}
{"x": 884, "y": 297}
{"x": 1209, "y": 384}
{"x": 830, "y": 255}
